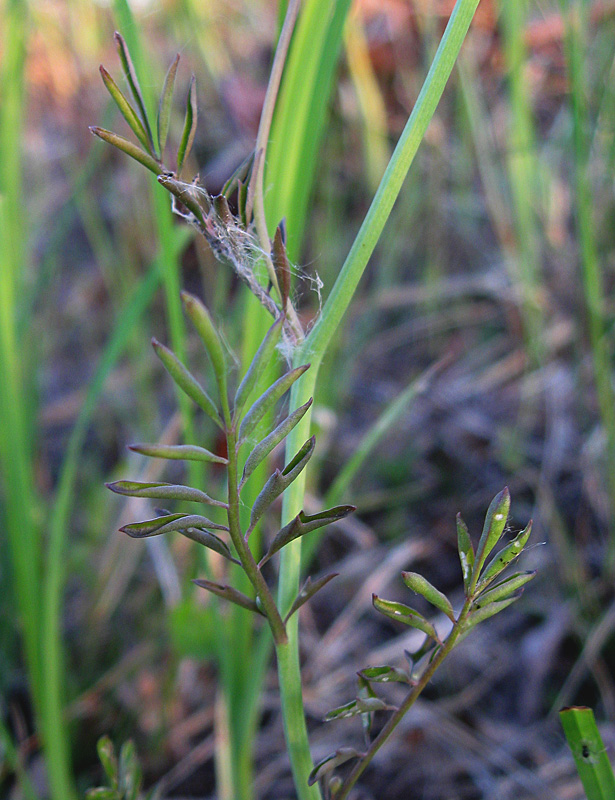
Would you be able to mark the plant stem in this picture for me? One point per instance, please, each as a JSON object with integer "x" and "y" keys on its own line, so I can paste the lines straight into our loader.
{"x": 316, "y": 343}
{"x": 407, "y": 704}
{"x": 295, "y": 729}
{"x": 243, "y": 551}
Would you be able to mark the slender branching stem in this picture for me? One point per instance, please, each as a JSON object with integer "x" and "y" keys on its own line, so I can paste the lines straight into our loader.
{"x": 244, "y": 553}
{"x": 406, "y": 705}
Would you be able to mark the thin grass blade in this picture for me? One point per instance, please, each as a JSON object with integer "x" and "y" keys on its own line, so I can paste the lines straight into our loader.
{"x": 589, "y": 752}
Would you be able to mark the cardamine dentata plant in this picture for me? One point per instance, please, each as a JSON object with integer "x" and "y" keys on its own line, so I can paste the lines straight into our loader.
{"x": 251, "y": 436}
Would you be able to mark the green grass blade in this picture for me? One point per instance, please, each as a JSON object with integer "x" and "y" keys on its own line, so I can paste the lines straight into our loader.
{"x": 374, "y": 435}
{"x": 523, "y": 172}
{"x": 55, "y": 572}
{"x": 21, "y": 502}
{"x": 11, "y": 756}
{"x": 318, "y": 340}
{"x": 576, "y": 19}
{"x": 300, "y": 115}
{"x": 589, "y": 753}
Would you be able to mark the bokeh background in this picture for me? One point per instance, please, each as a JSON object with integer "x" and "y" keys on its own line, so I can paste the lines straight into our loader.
{"x": 496, "y": 266}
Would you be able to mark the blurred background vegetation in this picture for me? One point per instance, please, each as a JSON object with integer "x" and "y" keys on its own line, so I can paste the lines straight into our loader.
{"x": 497, "y": 265}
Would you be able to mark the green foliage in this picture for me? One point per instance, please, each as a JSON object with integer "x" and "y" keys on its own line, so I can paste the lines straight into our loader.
{"x": 239, "y": 423}
{"x": 124, "y": 775}
{"x": 232, "y": 240}
{"x": 479, "y": 605}
{"x": 589, "y": 753}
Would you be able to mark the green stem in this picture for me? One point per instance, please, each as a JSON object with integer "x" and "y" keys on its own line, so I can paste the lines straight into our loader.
{"x": 316, "y": 343}
{"x": 243, "y": 551}
{"x": 295, "y": 729}
{"x": 410, "y": 699}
